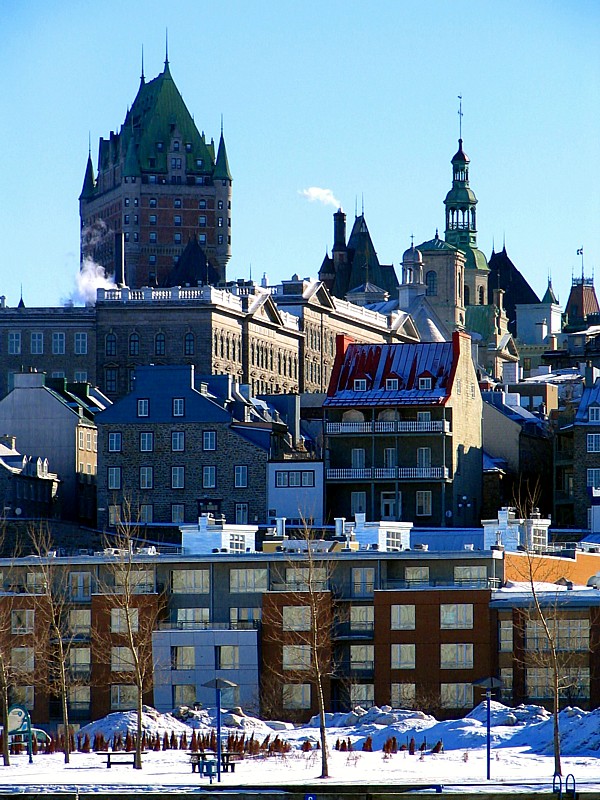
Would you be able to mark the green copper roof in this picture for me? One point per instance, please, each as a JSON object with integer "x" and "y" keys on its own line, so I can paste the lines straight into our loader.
{"x": 88, "y": 182}
{"x": 157, "y": 112}
{"x": 131, "y": 168}
{"x": 222, "y": 166}
{"x": 480, "y": 319}
{"x": 549, "y": 296}
{"x": 435, "y": 244}
{"x": 460, "y": 195}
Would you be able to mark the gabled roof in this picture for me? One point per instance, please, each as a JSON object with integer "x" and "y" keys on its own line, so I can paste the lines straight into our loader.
{"x": 406, "y": 362}
{"x": 589, "y": 397}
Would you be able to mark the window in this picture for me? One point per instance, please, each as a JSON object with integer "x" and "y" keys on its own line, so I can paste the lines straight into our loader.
{"x": 296, "y": 657}
{"x": 23, "y": 695}
{"x": 146, "y": 513}
{"x": 594, "y": 414}
{"x": 391, "y": 384}
{"x": 134, "y": 344}
{"x": 363, "y": 581}
{"x": 202, "y": 221}
{"x": 81, "y": 344}
{"x": 358, "y": 458}
{"x": 114, "y": 478}
{"x": 118, "y": 620}
{"x": 402, "y": 617}
{"x": 22, "y": 620}
{"x": 456, "y": 695}
{"x": 362, "y": 656}
{"x": 209, "y": 477}
{"x": 81, "y": 376}
{"x": 362, "y": 618}
{"x": 360, "y": 385}
{"x": 202, "y": 238}
{"x": 431, "y": 283}
{"x": 403, "y": 656}
{"x": 114, "y": 515}
{"x": 176, "y": 163}
{"x": 152, "y": 219}
{"x": 121, "y": 659}
{"x": 146, "y": 477}
{"x": 209, "y": 440}
{"x": 220, "y": 238}
{"x": 114, "y": 442}
{"x": 244, "y": 617}
{"x": 424, "y": 384}
{"x": 183, "y": 657}
{"x": 456, "y": 616}
{"x": 227, "y": 656}
{"x": 416, "y": 575}
{"x": 177, "y": 441}
{"x": 177, "y": 220}
{"x": 177, "y": 238}
{"x": 403, "y": 695}
{"x": 220, "y": 222}
{"x": 178, "y": 407}
{"x": 299, "y": 578}
{"x": 593, "y": 442}
{"x": 80, "y": 585}
{"x": 424, "y": 504}
{"x": 240, "y": 476}
{"x": 153, "y": 237}
{"x": 22, "y": 659}
{"x": 473, "y": 574}
{"x": 159, "y": 344}
{"x": 296, "y": 618}
{"x": 569, "y": 634}
{"x": 184, "y": 694}
{"x": 177, "y": 513}
{"x": 80, "y": 661}
{"x": 247, "y": 580}
{"x": 505, "y": 635}
{"x": 79, "y": 698}
{"x": 110, "y": 380}
{"x": 143, "y": 407}
{"x": 152, "y": 202}
{"x": 37, "y": 344}
{"x": 241, "y": 513}
{"x": 424, "y": 457}
{"x": 189, "y": 344}
{"x": 146, "y": 442}
{"x": 358, "y": 503}
{"x": 58, "y": 343}
{"x": 296, "y": 695}
{"x": 14, "y": 343}
{"x": 80, "y": 621}
{"x": 123, "y": 697}
{"x": 177, "y": 477}
{"x": 190, "y": 581}
{"x": 456, "y": 656}
{"x": 362, "y": 694}
{"x": 189, "y": 618}
{"x": 110, "y": 345}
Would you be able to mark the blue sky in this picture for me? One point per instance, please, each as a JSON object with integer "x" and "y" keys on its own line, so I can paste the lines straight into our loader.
{"x": 358, "y": 98}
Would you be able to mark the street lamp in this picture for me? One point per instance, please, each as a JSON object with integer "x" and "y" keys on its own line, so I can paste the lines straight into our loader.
{"x": 218, "y": 684}
{"x": 488, "y": 684}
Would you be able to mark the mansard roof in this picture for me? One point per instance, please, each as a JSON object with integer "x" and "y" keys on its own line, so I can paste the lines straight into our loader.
{"x": 375, "y": 363}
{"x": 363, "y": 264}
{"x": 517, "y": 291}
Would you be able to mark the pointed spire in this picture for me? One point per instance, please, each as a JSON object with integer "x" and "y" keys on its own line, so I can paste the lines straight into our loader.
{"x": 166, "y": 49}
{"x": 21, "y": 303}
{"x": 222, "y": 164}
{"x": 142, "y": 76}
{"x": 89, "y": 182}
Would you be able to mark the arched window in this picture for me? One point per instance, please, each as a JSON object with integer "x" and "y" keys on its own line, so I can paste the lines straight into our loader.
{"x": 188, "y": 344}
{"x": 110, "y": 345}
{"x": 431, "y": 283}
{"x": 159, "y": 344}
{"x": 481, "y": 296}
{"x": 134, "y": 345}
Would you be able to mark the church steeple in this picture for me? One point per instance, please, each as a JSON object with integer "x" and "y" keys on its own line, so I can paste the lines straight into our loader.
{"x": 460, "y": 202}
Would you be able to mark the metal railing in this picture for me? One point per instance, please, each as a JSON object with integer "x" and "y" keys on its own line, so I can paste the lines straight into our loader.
{"x": 390, "y": 426}
{"x": 388, "y": 473}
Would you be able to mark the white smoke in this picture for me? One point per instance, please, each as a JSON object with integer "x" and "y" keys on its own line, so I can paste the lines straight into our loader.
{"x": 90, "y": 277}
{"x": 315, "y": 194}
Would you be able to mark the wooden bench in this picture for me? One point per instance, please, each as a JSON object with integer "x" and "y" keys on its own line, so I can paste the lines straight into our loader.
{"x": 119, "y": 757}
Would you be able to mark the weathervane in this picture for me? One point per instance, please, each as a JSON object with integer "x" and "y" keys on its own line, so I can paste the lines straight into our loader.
{"x": 460, "y": 116}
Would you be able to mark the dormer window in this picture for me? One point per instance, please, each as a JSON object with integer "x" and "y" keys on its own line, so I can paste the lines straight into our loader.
{"x": 391, "y": 384}
{"x": 188, "y": 147}
{"x": 360, "y": 385}
{"x": 199, "y": 162}
{"x": 594, "y": 414}
{"x": 424, "y": 384}
{"x": 160, "y": 146}
{"x": 176, "y": 145}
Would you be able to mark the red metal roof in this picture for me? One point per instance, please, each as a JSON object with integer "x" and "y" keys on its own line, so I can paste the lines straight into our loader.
{"x": 375, "y": 363}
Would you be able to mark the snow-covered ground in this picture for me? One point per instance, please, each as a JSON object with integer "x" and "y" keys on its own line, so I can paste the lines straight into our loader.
{"x": 521, "y": 755}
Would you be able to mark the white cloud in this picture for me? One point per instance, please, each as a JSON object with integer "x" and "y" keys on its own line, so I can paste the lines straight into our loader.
{"x": 318, "y": 195}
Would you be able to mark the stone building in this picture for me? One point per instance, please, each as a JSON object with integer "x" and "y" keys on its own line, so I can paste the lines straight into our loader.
{"x": 169, "y": 452}
{"x": 159, "y": 184}
{"x": 586, "y": 453}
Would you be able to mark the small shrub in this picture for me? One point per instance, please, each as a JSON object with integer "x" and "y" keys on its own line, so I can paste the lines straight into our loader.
{"x": 368, "y": 745}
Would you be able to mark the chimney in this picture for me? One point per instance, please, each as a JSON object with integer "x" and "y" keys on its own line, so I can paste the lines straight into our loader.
{"x": 499, "y": 298}
{"x": 339, "y": 231}
{"x": 541, "y": 330}
{"x": 280, "y": 526}
{"x": 339, "y": 526}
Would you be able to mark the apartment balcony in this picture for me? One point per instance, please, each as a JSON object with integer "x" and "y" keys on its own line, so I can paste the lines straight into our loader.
{"x": 353, "y": 630}
{"x": 388, "y": 473}
{"x": 177, "y": 625}
{"x": 389, "y": 426}
{"x": 484, "y": 583}
{"x": 356, "y": 669}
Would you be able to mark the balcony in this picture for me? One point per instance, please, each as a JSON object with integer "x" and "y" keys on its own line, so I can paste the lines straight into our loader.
{"x": 389, "y": 426}
{"x": 299, "y": 586}
{"x": 484, "y": 583}
{"x": 242, "y": 625}
{"x": 356, "y": 669}
{"x": 354, "y": 630}
{"x": 389, "y": 473}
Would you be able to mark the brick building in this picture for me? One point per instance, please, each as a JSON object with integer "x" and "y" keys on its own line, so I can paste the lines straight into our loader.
{"x": 159, "y": 185}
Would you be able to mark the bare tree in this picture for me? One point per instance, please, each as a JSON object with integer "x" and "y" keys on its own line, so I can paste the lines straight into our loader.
{"x": 135, "y": 608}
{"x": 301, "y": 617}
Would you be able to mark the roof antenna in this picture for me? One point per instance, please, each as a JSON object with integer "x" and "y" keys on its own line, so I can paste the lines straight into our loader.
{"x": 460, "y": 116}
{"x": 363, "y": 203}
{"x": 355, "y": 206}
{"x": 166, "y": 47}
{"x": 142, "y": 77}
{"x": 221, "y": 123}
{"x": 90, "y": 144}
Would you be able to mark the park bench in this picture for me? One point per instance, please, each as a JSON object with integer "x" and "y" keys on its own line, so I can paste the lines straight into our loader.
{"x": 228, "y": 761}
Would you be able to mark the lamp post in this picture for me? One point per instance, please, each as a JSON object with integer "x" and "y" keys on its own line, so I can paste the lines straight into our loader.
{"x": 488, "y": 684}
{"x": 218, "y": 684}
